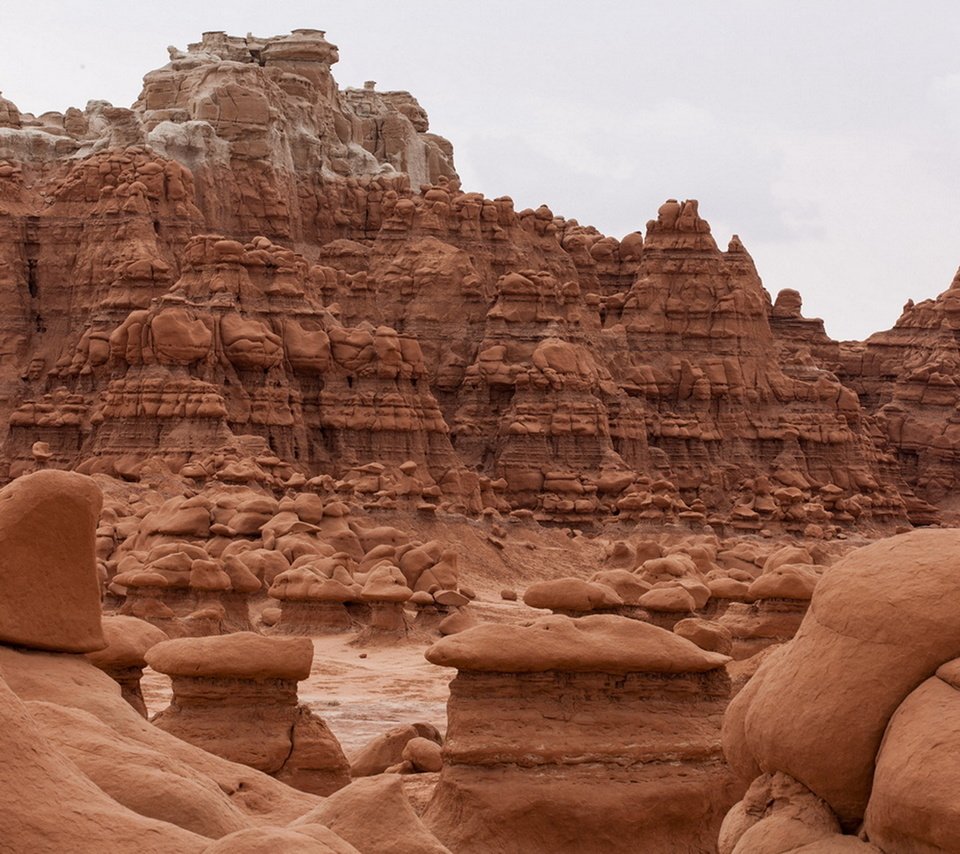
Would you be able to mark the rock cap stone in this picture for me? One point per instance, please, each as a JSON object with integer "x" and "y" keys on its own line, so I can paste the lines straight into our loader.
{"x": 242, "y": 655}
{"x": 601, "y": 643}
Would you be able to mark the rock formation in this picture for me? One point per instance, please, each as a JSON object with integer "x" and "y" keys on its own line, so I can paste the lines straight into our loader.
{"x": 270, "y": 376}
{"x": 75, "y": 750}
{"x": 128, "y": 641}
{"x": 236, "y": 696}
{"x": 273, "y": 278}
{"x": 634, "y": 717}
{"x": 846, "y": 714}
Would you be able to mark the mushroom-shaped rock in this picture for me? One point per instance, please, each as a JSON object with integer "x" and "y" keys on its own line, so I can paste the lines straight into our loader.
{"x": 236, "y": 696}
{"x": 49, "y": 591}
{"x": 571, "y": 596}
{"x": 565, "y": 781}
{"x": 603, "y": 643}
{"x": 385, "y": 591}
{"x": 311, "y": 603}
{"x": 778, "y": 600}
{"x": 386, "y": 583}
{"x": 242, "y": 655}
{"x": 123, "y": 659}
{"x": 882, "y": 619}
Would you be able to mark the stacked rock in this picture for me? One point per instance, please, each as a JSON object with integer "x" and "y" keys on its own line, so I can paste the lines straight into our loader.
{"x": 778, "y": 600}
{"x": 236, "y": 696}
{"x": 123, "y": 659}
{"x": 634, "y": 713}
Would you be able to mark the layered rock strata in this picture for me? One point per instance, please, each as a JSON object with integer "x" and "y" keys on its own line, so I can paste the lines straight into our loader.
{"x": 634, "y": 714}
{"x": 250, "y": 252}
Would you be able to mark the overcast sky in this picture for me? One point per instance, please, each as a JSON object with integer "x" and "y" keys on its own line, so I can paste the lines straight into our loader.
{"x": 826, "y": 134}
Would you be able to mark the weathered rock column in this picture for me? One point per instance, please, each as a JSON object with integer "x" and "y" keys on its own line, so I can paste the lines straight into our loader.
{"x": 236, "y": 696}
{"x": 595, "y": 734}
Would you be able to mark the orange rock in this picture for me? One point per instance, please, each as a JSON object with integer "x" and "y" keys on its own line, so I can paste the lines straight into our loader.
{"x": 49, "y": 597}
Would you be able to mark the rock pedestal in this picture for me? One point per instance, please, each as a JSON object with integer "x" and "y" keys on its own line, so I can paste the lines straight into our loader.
{"x": 629, "y": 761}
{"x": 236, "y": 696}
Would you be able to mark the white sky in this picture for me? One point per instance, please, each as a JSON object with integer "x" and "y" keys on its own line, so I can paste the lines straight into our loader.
{"x": 825, "y": 133}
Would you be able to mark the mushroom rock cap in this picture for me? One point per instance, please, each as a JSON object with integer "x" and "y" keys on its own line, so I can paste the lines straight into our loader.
{"x": 242, "y": 655}
{"x": 570, "y": 594}
{"x": 597, "y": 643}
{"x": 386, "y": 584}
{"x": 625, "y": 584}
{"x": 728, "y": 588}
{"x": 49, "y": 592}
{"x": 787, "y": 581}
{"x": 128, "y": 640}
{"x": 304, "y": 585}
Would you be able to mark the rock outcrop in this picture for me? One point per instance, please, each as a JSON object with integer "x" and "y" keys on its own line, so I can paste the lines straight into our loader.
{"x": 236, "y": 696}
{"x": 83, "y": 771}
{"x": 634, "y": 717}
{"x": 273, "y": 278}
{"x": 861, "y": 699}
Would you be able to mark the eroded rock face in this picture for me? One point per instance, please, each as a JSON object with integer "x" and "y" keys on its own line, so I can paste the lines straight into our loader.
{"x": 634, "y": 714}
{"x": 906, "y": 376}
{"x": 519, "y": 359}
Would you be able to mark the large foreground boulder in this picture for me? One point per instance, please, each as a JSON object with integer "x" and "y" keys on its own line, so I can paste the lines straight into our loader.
{"x": 881, "y": 622}
{"x": 49, "y": 594}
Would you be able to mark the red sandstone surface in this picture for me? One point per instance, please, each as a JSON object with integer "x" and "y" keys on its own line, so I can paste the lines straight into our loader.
{"x": 349, "y": 510}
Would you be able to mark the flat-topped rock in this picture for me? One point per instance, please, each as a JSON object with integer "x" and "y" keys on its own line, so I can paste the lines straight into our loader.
{"x": 571, "y": 594}
{"x": 128, "y": 641}
{"x": 595, "y": 643}
{"x": 242, "y": 655}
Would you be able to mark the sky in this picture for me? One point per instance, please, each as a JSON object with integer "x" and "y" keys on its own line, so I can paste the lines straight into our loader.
{"x": 824, "y": 133}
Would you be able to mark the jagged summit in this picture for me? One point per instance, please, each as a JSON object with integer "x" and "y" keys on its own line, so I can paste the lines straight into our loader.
{"x": 250, "y": 251}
